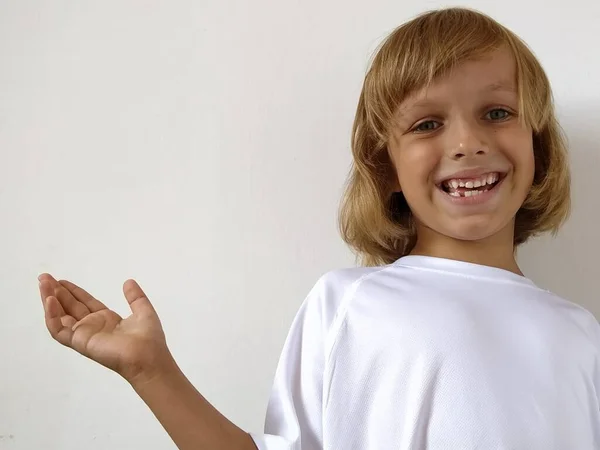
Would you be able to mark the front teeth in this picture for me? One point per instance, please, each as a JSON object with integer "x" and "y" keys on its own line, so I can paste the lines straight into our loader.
{"x": 466, "y": 194}
{"x": 470, "y": 184}
{"x": 473, "y": 193}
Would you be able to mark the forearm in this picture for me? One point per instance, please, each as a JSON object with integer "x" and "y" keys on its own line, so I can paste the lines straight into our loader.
{"x": 191, "y": 421}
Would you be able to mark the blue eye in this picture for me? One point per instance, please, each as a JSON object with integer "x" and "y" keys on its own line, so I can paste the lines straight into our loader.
{"x": 429, "y": 125}
{"x": 421, "y": 128}
{"x": 502, "y": 111}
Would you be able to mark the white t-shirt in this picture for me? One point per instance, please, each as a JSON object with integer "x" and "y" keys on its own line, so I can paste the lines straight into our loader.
{"x": 431, "y": 353}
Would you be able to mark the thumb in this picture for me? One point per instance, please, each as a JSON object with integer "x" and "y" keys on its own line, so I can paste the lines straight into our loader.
{"x": 138, "y": 302}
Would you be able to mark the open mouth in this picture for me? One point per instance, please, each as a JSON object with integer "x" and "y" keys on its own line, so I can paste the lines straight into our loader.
{"x": 469, "y": 187}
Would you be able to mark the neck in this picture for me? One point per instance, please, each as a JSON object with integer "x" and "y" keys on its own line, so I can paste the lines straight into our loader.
{"x": 495, "y": 251}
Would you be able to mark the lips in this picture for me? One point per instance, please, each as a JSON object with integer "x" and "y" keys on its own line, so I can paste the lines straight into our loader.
{"x": 470, "y": 196}
{"x": 472, "y": 186}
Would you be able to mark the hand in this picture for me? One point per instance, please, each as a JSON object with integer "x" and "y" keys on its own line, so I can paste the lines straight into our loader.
{"x": 134, "y": 347}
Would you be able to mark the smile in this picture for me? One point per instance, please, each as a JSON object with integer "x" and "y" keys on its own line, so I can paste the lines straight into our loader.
{"x": 471, "y": 190}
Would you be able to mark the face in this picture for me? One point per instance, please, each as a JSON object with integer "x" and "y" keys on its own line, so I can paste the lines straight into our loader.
{"x": 462, "y": 160}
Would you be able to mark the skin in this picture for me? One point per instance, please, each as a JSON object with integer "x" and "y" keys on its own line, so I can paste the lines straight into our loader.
{"x": 462, "y": 123}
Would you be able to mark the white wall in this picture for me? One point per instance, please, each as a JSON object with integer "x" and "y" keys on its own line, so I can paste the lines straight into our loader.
{"x": 200, "y": 147}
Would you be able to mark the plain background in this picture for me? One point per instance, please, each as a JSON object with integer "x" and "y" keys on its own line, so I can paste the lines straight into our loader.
{"x": 201, "y": 148}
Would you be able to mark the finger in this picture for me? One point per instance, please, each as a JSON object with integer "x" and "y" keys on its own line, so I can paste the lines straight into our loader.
{"x": 69, "y": 322}
{"x": 58, "y": 322}
{"x": 138, "y": 302}
{"x": 83, "y": 296}
{"x": 52, "y": 308}
{"x": 46, "y": 289}
{"x": 71, "y": 305}
{"x": 47, "y": 284}
{"x": 46, "y": 277}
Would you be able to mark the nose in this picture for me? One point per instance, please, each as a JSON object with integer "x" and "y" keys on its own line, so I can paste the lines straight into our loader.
{"x": 467, "y": 140}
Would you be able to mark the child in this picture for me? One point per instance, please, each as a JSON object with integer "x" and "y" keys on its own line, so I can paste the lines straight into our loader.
{"x": 438, "y": 341}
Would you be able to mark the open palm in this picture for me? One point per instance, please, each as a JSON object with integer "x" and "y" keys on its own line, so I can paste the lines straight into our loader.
{"x": 78, "y": 320}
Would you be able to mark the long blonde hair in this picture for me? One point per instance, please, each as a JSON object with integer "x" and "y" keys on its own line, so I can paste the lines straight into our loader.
{"x": 376, "y": 222}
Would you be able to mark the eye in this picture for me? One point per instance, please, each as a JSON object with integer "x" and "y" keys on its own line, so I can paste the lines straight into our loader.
{"x": 424, "y": 126}
{"x": 496, "y": 116}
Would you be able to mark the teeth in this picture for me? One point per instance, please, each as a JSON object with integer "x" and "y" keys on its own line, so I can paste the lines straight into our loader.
{"x": 471, "y": 193}
{"x": 466, "y": 193}
{"x": 470, "y": 184}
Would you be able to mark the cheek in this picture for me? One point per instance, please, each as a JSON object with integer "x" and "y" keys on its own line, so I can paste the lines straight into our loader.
{"x": 530, "y": 169}
{"x": 524, "y": 160}
{"x": 517, "y": 146}
{"x": 416, "y": 165}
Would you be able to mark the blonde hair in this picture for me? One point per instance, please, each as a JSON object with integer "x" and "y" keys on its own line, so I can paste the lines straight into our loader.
{"x": 376, "y": 222}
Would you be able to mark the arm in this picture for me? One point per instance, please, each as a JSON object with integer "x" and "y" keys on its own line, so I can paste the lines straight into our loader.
{"x": 191, "y": 421}
{"x": 294, "y": 413}
{"x": 135, "y": 348}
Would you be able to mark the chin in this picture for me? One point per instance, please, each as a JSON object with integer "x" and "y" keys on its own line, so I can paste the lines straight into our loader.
{"x": 472, "y": 230}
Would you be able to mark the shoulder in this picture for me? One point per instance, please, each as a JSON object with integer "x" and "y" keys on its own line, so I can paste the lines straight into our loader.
{"x": 332, "y": 289}
{"x": 575, "y": 313}
{"x": 337, "y": 282}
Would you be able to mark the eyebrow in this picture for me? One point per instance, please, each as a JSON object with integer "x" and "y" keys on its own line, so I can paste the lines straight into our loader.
{"x": 425, "y": 103}
{"x": 500, "y": 86}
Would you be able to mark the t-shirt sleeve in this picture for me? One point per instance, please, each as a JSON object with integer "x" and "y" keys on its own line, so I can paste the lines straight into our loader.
{"x": 295, "y": 408}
